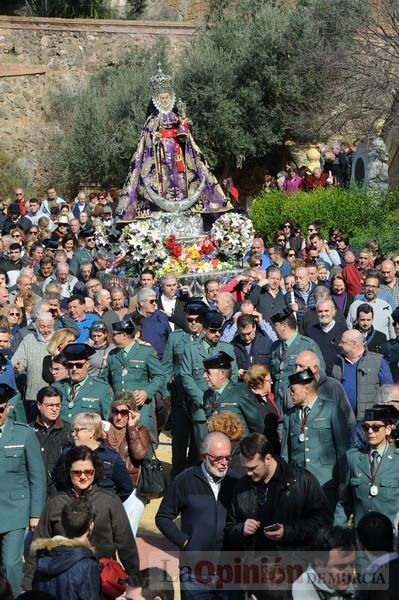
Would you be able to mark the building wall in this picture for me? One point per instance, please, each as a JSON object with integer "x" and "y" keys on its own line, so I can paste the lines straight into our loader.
{"x": 39, "y": 55}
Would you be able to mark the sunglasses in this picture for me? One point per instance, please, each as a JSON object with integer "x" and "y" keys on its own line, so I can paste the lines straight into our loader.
{"x": 33, "y": 231}
{"x": 78, "y": 365}
{"x": 193, "y": 319}
{"x": 90, "y": 239}
{"x": 258, "y": 264}
{"x": 310, "y": 229}
{"x": 123, "y": 412}
{"x": 99, "y": 328}
{"x": 19, "y": 194}
{"x": 80, "y": 472}
{"x": 215, "y": 329}
{"x": 2, "y": 408}
{"x": 281, "y": 239}
{"x": 374, "y": 427}
{"x": 152, "y": 301}
{"x": 16, "y": 314}
{"x": 291, "y": 255}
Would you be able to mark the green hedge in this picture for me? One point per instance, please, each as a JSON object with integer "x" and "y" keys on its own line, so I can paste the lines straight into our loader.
{"x": 363, "y": 213}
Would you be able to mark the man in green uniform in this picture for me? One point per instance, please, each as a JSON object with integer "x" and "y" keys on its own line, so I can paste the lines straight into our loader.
{"x": 224, "y": 395}
{"x": 181, "y": 423}
{"x": 22, "y": 491}
{"x": 82, "y": 392}
{"x": 371, "y": 473}
{"x": 85, "y": 254}
{"x": 315, "y": 433}
{"x": 192, "y": 368}
{"x": 134, "y": 366}
{"x": 285, "y": 350}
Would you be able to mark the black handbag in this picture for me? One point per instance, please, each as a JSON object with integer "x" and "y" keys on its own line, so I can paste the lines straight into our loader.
{"x": 154, "y": 478}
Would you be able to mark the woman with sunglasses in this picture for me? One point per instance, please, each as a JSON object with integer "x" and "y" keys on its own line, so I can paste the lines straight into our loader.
{"x": 87, "y": 430}
{"x": 101, "y": 340}
{"x": 371, "y": 474}
{"x": 79, "y": 476}
{"x": 14, "y": 315}
{"x": 131, "y": 440}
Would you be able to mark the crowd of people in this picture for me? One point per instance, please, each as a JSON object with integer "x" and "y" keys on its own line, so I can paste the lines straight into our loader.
{"x": 335, "y": 169}
{"x": 279, "y": 389}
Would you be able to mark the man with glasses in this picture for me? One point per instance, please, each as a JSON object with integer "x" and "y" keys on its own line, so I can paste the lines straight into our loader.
{"x": 192, "y": 368}
{"x": 85, "y": 254}
{"x": 22, "y": 491}
{"x": 371, "y": 473}
{"x": 201, "y": 495}
{"x": 81, "y": 392}
{"x": 390, "y": 282}
{"x": 181, "y": 422}
{"x": 277, "y": 254}
{"x": 154, "y": 322}
{"x": 133, "y": 366}
{"x": 51, "y": 431}
{"x": 20, "y": 200}
{"x": 382, "y": 309}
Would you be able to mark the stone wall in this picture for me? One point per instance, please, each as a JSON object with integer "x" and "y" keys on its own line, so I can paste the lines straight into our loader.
{"x": 38, "y": 56}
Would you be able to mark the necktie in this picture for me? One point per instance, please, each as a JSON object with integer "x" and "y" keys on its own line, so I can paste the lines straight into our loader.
{"x": 283, "y": 349}
{"x": 73, "y": 393}
{"x": 375, "y": 459}
{"x": 214, "y": 402}
{"x": 305, "y": 413}
{"x": 210, "y": 350}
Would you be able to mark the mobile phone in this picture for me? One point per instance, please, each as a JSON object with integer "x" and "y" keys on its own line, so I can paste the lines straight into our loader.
{"x": 272, "y": 527}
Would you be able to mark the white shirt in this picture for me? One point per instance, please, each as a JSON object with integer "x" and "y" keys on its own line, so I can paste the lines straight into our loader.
{"x": 215, "y": 485}
{"x": 169, "y": 308}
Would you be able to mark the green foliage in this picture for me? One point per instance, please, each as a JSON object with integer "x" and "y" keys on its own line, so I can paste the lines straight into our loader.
{"x": 68, "y": 9}
{"x": 135, "y": 8}
{"x": 99, "y": 128}
{"x": 11, "y": 176}
{"x": 363, "y": 213}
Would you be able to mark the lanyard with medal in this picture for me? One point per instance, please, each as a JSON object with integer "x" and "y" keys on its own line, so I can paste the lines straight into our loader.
{"x": 373, "y": 474}
{"x": 74, "y": 392}
{"x": 304, "y": 418}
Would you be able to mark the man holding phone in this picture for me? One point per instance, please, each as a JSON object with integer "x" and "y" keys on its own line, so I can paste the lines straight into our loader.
{"x": 276, "y": 506}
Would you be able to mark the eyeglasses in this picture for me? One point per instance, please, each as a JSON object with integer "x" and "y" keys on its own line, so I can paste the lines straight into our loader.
{"x": 375, "y": 427}
{"x": 215, "y": 329}
{"x": 16, "y": 314}
{"x": 152, "y": 301}
{"x": 33, "y": 231}
{"x": 2, "y": 408}
{"x": 291, "y": 255}
{"x": 219, "y": 459}
{"x": 193, "y": 319}
{"x": 16, "y": 235}
{"x": 52, "y": 405}
{"x": 287, "y": 226}
{"x": 78, "y": 365}
{"x": 280, "y": 239}
{"x": 78, "y": 429}
{"x": 90, "y": 239}
{"x": 80, "y": 472}
{"x": 123, "y": 412}
{"x": 396, "y": 323}
{"x": 19, "y": 194}
{"x": 396, "y": 262}
{"x": 258, "y": 264}
{"x": 310, "y": 229}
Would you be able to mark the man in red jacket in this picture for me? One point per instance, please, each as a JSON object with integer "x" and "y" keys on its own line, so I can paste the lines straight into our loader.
{"x": 353, "y": 272}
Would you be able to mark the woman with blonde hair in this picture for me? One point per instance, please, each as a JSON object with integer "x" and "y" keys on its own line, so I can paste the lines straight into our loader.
{"x": 259, "y": 382}
{"x": 132, "y": 441}
{"x": 14, "y": 315}
{"x": 60, "y": 338}
{"x": 87, "y": 430}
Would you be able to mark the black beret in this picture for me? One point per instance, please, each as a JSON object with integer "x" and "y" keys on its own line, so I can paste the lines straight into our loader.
{"x": 305, "y": 376}
{"x": 124, "y": 326}
{"x": 88, "y": 233}
{"x": 78, "y": 351}
{"x": 281, "y": 316}
{"x": 212, "y": 318}
{"x": 221, "y": 360}
{"x": 6, "y": 392}
{"x": 381, "y": 412}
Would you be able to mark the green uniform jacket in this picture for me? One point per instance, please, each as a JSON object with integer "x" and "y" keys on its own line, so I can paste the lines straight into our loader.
{"x": 95, "y": 395}
{"x": 236, "y": 398}
{"x": 23, "y": 486}
{"x": 356, "y": 498}
{"x": 192, "y": 373}
{"x": 17, "y": 413}
{"x": 140, "y": 370}
{"x": 171, "y": 363}
{"x": 80, "y": 256}
{"x": 282, "y": 368}
{"x": 326, "y": 441}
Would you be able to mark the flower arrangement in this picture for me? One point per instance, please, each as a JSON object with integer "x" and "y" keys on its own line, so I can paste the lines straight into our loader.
{"x": 232, "y": 234}
{"x": 101, "y": 235}
{"x": 142, "y": 242}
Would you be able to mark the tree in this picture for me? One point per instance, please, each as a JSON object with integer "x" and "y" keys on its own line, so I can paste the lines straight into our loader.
{"x": 68, "y": 9}
{"x": 257, "y": 73}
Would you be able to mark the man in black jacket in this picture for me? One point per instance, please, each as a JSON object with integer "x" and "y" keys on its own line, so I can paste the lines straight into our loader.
{"x": 202, "y": 496}
{"x": 276, "y": 506}
{"x": 251, "y": 346}
{"x": 51, "y": 431}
